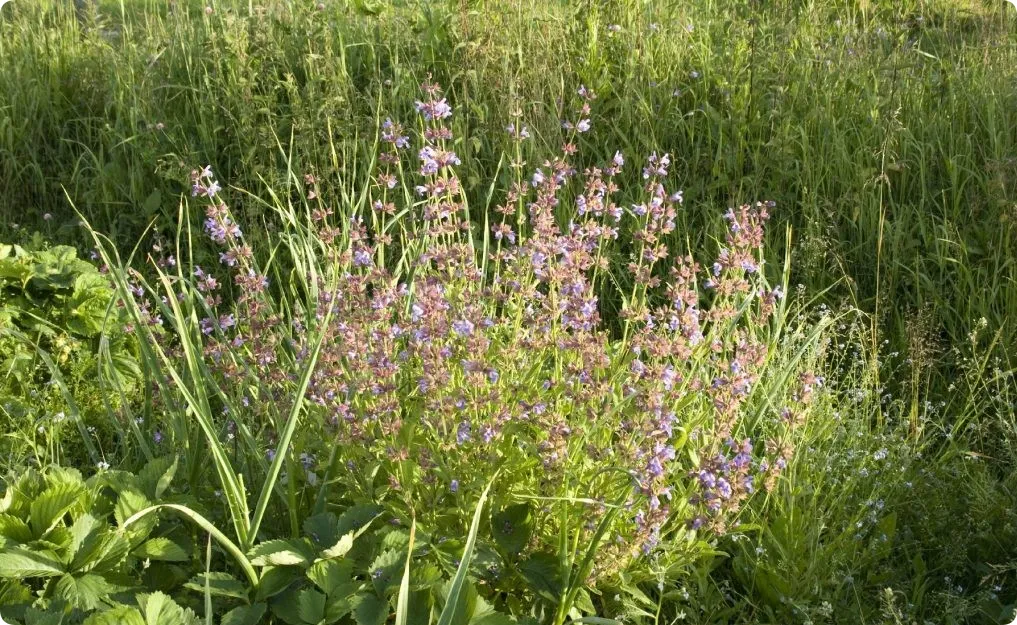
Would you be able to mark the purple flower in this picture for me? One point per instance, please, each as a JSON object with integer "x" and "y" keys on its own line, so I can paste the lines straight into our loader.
{"x": 463, "y": 433}
{"x": 362, "y": 257}
{"x": 454, "y": 486}
{"x": 434, "y": 110}
{"x": 463, "y": 327}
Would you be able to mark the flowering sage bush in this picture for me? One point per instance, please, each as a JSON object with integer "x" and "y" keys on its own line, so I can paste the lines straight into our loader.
{"x": 426, "y": 354}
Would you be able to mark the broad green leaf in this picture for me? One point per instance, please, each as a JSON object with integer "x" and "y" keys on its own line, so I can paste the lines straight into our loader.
{"x": 492, "y": 618}
{"x": 129, "y": 504}
{"x": 511, "y": 528}
{"x": 162, "y": 548}
{"x": 322, "y": 529}
{"x": 18, "y": 563}
{"x": 357, "y": 517}
{"x": 311, "y": 605}
{"x": 340, "y": 548}
{"x": 85, "y": 592}
{"x": 13, "y": 591}
{"x": 460, "y": 605}
{"x": 52, "y": 616}
{"x": 14, "y": 529}
{"x": 101, "y": 551}
{"x": 120, "y": 615}
{"x": 542, "y": 573}
{"x": 48, "y": 508}
{"x": 157, "y": 475}
{"x": 369, "y": 609}
{"x": 159, "y": 609}
{"x": 331, "y": 575}
{"x": 244, "y": 615}
{"x": 386, "y": 569}
{"x": 282, "y": 552}
{"x": 276, "y": 579}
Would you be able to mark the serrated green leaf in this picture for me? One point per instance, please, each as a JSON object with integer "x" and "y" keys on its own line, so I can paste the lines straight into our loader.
{"x": 129, "y": 503}
{"x": 157, "y": 475}
{"x": 244, "y": 615}
{"x": 159, "y": 609}
{"x": 52, "y": 616}
{"x": 340, "y": 548}
{"x": 311, "y": 605}
{"x": 357, "y": 517}
{"x": 120, "y": 615}
{"x": 511, "y": 528}
{"x": 386, "y": 569}
{"x": 48, "y": 508}
{"x": 162, "y": 548}
{"x": 276, "y": 579}
{"x": 331, "y": 575}
{"x": 282, "y": 552}
{"x": 543, "y": 575}
{"x": 322, "y": 529}
{"x": 395, "y": 539}
{"x": 19, "y": 563}
{"x": 369, "y": 609}
{"x": 14, "y": 529}
{"x": 13, "y": 591}
{"x": 85, "y": 592}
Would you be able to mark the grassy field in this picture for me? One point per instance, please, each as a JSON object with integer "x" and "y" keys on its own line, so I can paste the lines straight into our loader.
{"x": 884, "y": 134}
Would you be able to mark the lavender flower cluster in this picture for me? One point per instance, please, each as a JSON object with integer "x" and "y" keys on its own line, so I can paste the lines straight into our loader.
{"x": 448, "y": 364}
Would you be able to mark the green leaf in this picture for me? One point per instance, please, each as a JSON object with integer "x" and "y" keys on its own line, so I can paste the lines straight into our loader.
{"x": 100, "y": 550}
{"x": 311, "y": 605}
{"x": 48, "y": 508}
{"x": 357, "y": 517}
{"x": 459, "y": 606}
{"x": 282, "y": 552}
{"x": 18, "y": 563}
{"x": 128, "y": 504}
{"x": 219, "y": 585}
{"x": 120, "y": 615}
{"x": 85, "y": 592}
{"x": 53, "y": 616}
{"x": 542, "y": 573}
{"x": 159, "y": 609}
{"x": 162, "y": 548}
{"x": 244, "y": 615}
{"x": 322, "y": 528}
{"x": 340, "y": 548}
{"x": 331, "y": 575}
{"x": 493, "y": 618}
{"x": 300, "y": 608}
{"x": 152, "y": 203}
{"x": 369, "y": 609}
{"x": 274, "y": 580}
{"x": 14, "y": 529}
{"x": 511, "y": 528}
{"x": 157, "y": 475}
{"x": 14, "y": 591}
{"x": 385, "y": 570}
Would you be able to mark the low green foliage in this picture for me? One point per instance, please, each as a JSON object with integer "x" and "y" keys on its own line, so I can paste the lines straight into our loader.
{"x": 56, "y": 319}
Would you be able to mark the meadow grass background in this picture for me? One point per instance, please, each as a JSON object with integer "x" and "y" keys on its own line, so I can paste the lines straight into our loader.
{"x": 886, "y": 133}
